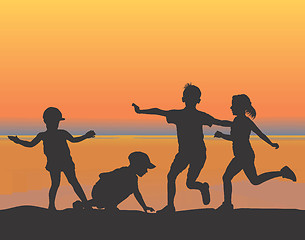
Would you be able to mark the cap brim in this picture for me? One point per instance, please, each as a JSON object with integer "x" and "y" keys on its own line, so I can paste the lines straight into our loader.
{"x": 151, "y": 166}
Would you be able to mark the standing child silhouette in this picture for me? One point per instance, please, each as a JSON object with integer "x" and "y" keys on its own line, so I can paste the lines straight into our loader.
{"x": 192, "y": 150}
{"x": 243, "y": 152}
{"x": 58, "y": 153}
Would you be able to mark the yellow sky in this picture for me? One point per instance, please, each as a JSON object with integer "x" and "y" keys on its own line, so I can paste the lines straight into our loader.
{"x": 92, "y": 59}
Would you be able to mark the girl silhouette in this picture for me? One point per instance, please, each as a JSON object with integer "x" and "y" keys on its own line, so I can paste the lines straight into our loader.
{"x": 243, "y": 152}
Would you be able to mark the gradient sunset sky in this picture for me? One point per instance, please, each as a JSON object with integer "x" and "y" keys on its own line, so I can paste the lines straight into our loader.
{"x": 92, "y": 59}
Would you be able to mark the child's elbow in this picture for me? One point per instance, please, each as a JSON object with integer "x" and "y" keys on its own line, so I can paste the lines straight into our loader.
{"x": 28, "y": 145}
{"x": 72, "y": 140}
{"x": 32, "y": 144}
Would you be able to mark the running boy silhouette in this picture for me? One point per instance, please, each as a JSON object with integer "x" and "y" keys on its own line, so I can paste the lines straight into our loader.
{"x": 192, "y": 150}
{"x": 58, "y": 153}
{"x": 243, "y": 152}
{"x": 114, "y": 187}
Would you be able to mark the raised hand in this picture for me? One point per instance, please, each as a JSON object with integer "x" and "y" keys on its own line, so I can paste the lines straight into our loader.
{"x": 90, "y": 134}
{"x": 136, "y": 108}
{"x": 275, "y": 145}
{"x": 218, "y": 134}
{"x": 15, "y": 139}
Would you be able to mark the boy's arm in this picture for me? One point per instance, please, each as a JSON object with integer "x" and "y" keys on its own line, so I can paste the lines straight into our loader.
{"x": 90, "y": 134}
{"x": 154, "y": 111}
{"x": 24, "y": 143}
{"x": 140, "y": 200}
{"x": 223, "y": 123}
{"x": 259, "y": 133}
{"x": 223, "y": 136}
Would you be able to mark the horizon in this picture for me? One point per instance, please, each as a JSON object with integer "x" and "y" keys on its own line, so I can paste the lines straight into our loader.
{"x": 150, "y": 130}
{"x": 169, "y": 135}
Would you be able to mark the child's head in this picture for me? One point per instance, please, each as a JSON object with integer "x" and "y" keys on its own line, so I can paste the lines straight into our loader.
{"x": 51, "y": 117}
{"x": 241, "y": 104}
{"x": 140, "y": 162}
{"x": 191, "y": 95}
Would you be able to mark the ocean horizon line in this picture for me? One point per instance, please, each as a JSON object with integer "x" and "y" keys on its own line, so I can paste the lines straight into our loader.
{"x": 164, "y": 136}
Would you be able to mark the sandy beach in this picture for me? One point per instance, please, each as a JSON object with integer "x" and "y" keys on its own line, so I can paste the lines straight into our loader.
{"x": 30, "y": 221}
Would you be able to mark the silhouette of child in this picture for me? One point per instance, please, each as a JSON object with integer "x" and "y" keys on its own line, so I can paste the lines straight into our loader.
{"x": 243, "y": 152}
{"x": 58, "y": 153}
{"x": 114, "y": 187}
{"x": 192, "y": 150}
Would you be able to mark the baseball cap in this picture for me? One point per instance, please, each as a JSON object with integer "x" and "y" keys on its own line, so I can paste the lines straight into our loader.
{"x": 52, "y": 113}
{"x": 140, "y": 158}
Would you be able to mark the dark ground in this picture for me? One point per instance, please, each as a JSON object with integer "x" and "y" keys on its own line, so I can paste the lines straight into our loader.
{"x": 26, "y": 222}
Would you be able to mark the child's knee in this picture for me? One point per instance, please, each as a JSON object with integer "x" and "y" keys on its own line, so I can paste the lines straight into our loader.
{"x": 55, "y": 184}
{"x": 226, "y": 178}
{"x": 254, "y": 181}
{"x": 73, "y": 181}
{"x": 171, "y": 177}
{"x": 190, "y": 183}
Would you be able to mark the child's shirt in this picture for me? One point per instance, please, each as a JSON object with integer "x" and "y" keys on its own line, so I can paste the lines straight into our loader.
{"x": 240, "y": 133}
{"x": 115, "y": 186}
{"x": 56, "y": 149}
{"x": 189, "y": 128}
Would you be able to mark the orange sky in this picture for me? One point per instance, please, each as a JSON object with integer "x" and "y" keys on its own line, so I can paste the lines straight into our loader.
{"x": 92, "y": 59}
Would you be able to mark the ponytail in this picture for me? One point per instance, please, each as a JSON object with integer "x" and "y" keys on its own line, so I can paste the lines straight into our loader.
{"x": 251, "y": 111}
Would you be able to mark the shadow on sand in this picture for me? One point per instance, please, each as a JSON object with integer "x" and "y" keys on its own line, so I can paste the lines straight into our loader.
{"x": 29, "y": 221}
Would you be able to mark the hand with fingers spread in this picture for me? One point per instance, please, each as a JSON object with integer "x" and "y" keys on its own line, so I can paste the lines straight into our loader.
{"x": 149, "y": 209}
{"x": 90, "y": 134}
{"x": 15, "y": 139}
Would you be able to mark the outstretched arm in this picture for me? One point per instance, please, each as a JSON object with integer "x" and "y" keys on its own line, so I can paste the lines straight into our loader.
{"x": 24, "y": 143}
{"x": 259, "y": 133}
{"x": 90, "y": 134}
{"x": 223, "y": 136}
{"x": 154, "y": 111}
{"x": 140, "y": 200}
{"x": 223, "y": 123}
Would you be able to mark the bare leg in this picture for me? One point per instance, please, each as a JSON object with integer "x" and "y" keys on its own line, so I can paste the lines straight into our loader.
{"x": 233, "y": 169}
{"x": 171, "y": 187}
{"x": 71, "y": 176}
{"x": 55, "y": 179}
{"x": 255, "y": 179}
{"x": 191, "y": 183}
{"x": 177, "y": 167}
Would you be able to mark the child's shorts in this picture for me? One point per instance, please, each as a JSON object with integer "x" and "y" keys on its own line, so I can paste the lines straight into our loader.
{"x": 60, "y": 165}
